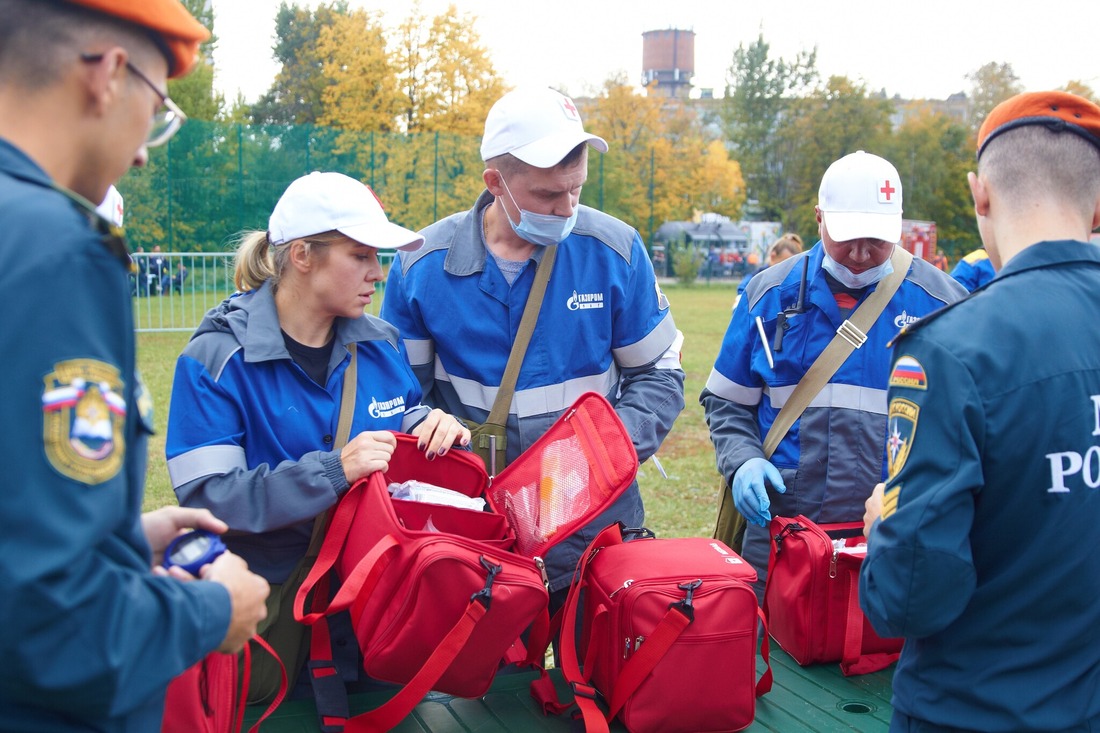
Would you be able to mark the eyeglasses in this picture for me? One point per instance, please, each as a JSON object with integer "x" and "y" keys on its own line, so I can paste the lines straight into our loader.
{"x": 166, "y": 120}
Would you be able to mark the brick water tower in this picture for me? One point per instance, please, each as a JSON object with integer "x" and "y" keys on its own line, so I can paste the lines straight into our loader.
{"x": 668, "y": 57}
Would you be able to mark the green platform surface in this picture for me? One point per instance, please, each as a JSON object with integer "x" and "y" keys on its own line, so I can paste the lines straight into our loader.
{"x": 814, "y": 698}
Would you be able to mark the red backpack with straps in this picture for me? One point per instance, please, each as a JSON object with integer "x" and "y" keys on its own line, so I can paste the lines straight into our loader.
{"x": 669, "y": 636}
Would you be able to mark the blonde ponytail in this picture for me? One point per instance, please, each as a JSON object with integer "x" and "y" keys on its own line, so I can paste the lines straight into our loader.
{"x": 254, "y": 264}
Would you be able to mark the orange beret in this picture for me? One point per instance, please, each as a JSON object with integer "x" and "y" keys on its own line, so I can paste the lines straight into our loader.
{"x": 177, "y": 30}
{"x": 1058, "y": 111}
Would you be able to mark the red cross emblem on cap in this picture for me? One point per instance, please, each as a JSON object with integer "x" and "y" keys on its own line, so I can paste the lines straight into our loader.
{"x": 885, "y": 191}
{"x": 570, "y": 108}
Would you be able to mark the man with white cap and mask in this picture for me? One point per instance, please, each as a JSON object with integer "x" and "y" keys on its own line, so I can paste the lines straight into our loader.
{"x": 825, "y": 464}
{"x": 603, "y": 325}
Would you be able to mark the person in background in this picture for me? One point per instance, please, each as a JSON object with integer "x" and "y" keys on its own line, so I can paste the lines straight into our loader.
{"x": 981, "y": 543}
{"x": 91, "y": 628}
{"x": 257, "y": 391}
{"x": 974, "y": 270}
{"x": 786, "y": 246}
{"x": 604, "y": 324}
{"x": 939, "y": 260}
{"x": 827, "y": 462}
{"x": 159, "y": 271}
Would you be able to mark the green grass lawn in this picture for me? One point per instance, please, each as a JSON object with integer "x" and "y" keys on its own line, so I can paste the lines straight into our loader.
{"x": 682, "y": 505}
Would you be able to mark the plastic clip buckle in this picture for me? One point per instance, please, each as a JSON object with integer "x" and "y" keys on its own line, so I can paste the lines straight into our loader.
{"x": 485, "y": 595}
{"x": 685, "y": 606}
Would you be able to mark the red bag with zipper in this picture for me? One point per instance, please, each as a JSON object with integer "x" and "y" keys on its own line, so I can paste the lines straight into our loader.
{"x": 811, "y": 597}
{"x": 669, "y": 636}
{"x": 439, "y": 594}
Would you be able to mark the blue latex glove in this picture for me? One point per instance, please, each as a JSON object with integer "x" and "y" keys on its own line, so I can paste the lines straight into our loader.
{"x": 750, "y": 495}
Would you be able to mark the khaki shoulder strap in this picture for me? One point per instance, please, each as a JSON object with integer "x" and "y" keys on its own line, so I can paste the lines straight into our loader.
{"x": 499, "y": 414}
{"x": 849, "y": 337}
{"x": 343, "y": 434}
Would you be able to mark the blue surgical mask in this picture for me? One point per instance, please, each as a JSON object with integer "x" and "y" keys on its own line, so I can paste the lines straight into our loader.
{"x": 853, "y": 280}
{"x": 540, "y": 229}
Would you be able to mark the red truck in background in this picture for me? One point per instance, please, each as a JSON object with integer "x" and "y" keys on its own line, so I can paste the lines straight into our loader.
{"x": 919, "y": 237}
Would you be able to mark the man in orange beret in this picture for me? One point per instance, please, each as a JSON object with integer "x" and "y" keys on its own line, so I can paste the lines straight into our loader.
{"x": 92, "y": 629}
{"x": 982, "y": 543}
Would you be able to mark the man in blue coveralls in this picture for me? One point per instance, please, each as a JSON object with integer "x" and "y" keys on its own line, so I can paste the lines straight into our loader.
{"x": 982, "y": 542}
{"x": 90, "y": 634}
{"x": 604, "y": 325}
{"x": 826, "y": 463}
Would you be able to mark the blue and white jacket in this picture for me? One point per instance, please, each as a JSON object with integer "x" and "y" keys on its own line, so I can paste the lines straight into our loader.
{"x": 251, "y": 436}
{"x": 604, "y": 327}
{"x": 832, "y": 457}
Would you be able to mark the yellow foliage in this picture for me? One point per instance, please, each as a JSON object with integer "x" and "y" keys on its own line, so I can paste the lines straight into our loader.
{"x": 660, "y": 139}
{"x": 362, "y": 93}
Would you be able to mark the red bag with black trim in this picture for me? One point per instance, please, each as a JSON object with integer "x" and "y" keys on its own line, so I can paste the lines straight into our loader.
{"x": 811, "y": 597}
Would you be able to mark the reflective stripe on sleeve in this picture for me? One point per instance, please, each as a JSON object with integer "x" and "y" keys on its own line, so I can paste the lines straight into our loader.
{"x": 727, "y": 389}
{"x": 211, "y": 460}
{"x": 651, "y": 348}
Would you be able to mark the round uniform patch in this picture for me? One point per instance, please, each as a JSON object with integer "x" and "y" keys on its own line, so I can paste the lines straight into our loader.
{"x": 83, "y": 414}
{"x": 901, "y": 423}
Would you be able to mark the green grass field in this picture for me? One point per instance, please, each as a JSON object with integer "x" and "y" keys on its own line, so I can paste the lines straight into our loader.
{"x": 680, "y": 506}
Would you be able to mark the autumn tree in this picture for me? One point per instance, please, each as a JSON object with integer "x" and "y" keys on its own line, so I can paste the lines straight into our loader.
{"x": 195, "y": 93}
{"x": 990, "y": 85}
{"x": 446, "y": 84}
{"x": 759, "y": 91}
{"x": 295, "y": 96}
{"x": 361, "y": 90}
{"x": 446, "y": 75}
{"x": 661, "y": 165}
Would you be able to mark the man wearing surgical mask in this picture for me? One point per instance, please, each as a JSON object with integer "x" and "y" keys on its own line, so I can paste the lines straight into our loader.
{"x": 604, "y": 326}
{"x": 828, "y": 462}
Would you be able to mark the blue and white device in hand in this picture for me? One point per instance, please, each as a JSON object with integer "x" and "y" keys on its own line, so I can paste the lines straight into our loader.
{"x": 193, "y": 550}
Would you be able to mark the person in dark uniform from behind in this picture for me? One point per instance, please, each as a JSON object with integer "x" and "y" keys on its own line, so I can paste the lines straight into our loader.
{"x": 90, "y": 634}
{"x": 982, "y": 542}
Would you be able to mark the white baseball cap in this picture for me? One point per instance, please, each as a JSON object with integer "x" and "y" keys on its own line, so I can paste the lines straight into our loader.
{"x": 537, "y": 125}
{"x": 111, "y": 208}
{"x": 860, "y": 197}
{"x": 325, "y": 202}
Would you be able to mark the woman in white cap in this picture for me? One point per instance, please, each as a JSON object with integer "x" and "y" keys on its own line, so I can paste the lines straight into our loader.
{"x": 256, "y": 400}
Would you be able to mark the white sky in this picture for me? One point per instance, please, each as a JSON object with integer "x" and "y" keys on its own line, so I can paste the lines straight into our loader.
{"x": 917, "y": 49}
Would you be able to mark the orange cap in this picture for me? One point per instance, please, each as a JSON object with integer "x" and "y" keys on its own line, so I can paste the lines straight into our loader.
{"x": 1058, "y": 111}
{"x": 169, "y": 20}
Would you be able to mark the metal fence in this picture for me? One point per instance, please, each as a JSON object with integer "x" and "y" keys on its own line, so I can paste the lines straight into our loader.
{"x": 172, "y": 291}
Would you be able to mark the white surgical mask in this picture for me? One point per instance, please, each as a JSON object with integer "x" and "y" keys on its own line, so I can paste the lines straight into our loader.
{"x": 540, "y": 229}
{"x": 851, "y": 279}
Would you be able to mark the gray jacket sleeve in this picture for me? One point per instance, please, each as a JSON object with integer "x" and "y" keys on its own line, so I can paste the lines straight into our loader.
{"x": 733, "y": 430}
{"x": 265, "y": 498}
{"x": 650, "y": 400}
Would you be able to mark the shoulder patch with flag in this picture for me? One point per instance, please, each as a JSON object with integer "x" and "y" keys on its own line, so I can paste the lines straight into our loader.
{"x": 908, "y": 372}
{"x": 83, "y": 415}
